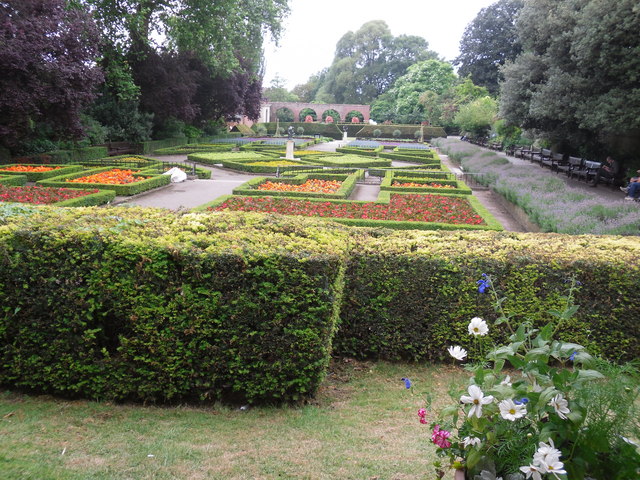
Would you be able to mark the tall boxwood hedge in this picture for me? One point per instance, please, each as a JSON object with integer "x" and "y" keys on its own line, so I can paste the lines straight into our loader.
{"x": 150, "y": 305}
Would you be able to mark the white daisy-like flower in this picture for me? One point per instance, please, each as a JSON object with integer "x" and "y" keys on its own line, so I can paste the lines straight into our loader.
{"x": 506, "y": 381}
{"x": 476, "y": 399}
{"x": 478, "y": 326}
{"x": 470, "y": 441}
{"x": 547, "y": 454}
{"x": 510, "y": 411}
{"x": 457, "y": 352}
{"x": 556, "y": 467}
{"x": 531, "y": 471}
{"x": 560, "y": 405}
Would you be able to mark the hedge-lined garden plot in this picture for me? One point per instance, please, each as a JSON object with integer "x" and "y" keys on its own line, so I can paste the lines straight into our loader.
{"x": 305, "y": 185}
{"x": 122, "y": 161}
{"x": 194, "y": 148}
{"x": 62, "y": 197}
{"x": 251, "y": 162}
{"x": 422, "y": 182}
{"x": 13, "y": 179}
{"x": 38, "y": 172}
{"x": 397, "y": 211}
{"x": 201, "y": 173}
{"x": 122, "y": 182}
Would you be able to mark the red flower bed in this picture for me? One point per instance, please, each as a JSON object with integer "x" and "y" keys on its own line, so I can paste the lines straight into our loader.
{"x": 410, "y": 208}
{"x": 420, "y": 185}
{"x": 29, "y": 168}
{"x": 112, "y": 177}
{"x": 40, "y": 195}
{"x": 313, "y": 185}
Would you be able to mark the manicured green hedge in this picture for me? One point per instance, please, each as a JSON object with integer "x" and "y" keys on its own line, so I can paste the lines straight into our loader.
{"x": 35, "y": 176}
{"x": 143, "y": 305}
{"x": 99, "y": 198}
{"x": 410, "y": 295}
{"x": 330, "y": 130}
{"x": 355, "y": 161}
{"x": 193, "y": 148}
{"x": 64, "y": 156}
{"x": 348, "y": 184}
{"x": 151, "y": 146}
{"x": 241, "y": 161}
{"x": 407, "y": 177}
{"x": 154, "y": 181}
{"x": 366, "y": 152}
{"x": 122, "y": 161}
{"x": 429, "y": 157}
{"x": 13, "y": 180}
{"x": 201, "y": 173}
{"x": 407, "y": 131}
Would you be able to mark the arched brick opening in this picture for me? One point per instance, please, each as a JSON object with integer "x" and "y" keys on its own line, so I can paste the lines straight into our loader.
{"x": 307, "y": 111}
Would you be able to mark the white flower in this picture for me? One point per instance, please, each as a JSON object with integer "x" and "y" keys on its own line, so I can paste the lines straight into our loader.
{"x": 560, "y": 405}
{"x": 556, "y": 467}
{"x": 510, "y": 411}
{"x": 471, "y": 441}
{"x": 457, "y": 352}
{"x": 477, "y": 399}
{"x": 531, "y": 471}
{"x": 506, "y": 381}
{"x": 546, "y": 454}
{"x": 478, "y": 326}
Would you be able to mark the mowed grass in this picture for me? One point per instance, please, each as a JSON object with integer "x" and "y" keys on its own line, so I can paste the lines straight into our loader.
{"x": 363, "y": 424}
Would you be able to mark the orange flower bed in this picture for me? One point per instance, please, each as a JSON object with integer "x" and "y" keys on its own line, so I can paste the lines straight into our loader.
{"x": 111, "y": 177}
{"x": 315, "y": 186}
{"x": 421, "y": 185}
{"x": 29, "y": 168}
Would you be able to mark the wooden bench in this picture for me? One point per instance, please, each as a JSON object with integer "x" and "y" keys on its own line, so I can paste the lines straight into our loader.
{"x": 538, "y": 157}
{"x": 573, "y": 163}
{"x": 553, "y": 161}
{"x": 120, "y": 148}
{"x": 588, "y": 171}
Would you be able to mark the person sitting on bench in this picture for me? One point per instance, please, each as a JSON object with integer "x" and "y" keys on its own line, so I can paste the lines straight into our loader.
{"x": 633, "y": 189}
{"x": 608, "y": 170}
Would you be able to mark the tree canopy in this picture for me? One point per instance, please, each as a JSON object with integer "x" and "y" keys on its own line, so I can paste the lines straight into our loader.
{"x": 368, "y": 62}
{"x": 47, "y": 68}
{"x": 488, "y": 42}
{"x": 578, "y": 76}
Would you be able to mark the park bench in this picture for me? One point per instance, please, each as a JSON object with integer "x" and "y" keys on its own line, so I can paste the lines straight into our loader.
{"x": 120, "y": 148}
{"x": 588, "y": 171}
{"x": 553, "y": 161}
{"x": 538, "y": 157}
{"x": 522, "y": 152}
{"x": 573, "y": 163}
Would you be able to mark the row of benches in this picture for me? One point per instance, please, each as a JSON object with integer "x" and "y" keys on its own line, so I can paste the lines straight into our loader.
{"x": 573, "y": 167}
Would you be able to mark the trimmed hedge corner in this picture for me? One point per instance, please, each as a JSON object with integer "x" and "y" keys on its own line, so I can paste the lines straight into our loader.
{"x": 13, "y": 180}
{"x": 35, "y": 176}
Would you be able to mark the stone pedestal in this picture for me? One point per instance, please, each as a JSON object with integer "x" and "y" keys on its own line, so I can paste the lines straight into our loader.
{"x": 289, "y": 154}
{"x": 344, "y": 136}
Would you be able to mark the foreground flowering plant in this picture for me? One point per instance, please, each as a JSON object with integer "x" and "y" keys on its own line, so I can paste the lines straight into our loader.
{"x": 115, "y": 176}
{"x": 539, "y": 408}
{"x": 40, "y": 195}
{"x": 311, "y": 185}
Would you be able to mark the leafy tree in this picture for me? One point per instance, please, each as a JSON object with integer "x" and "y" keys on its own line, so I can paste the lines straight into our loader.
{"x": 368, "y": 62}
{"x": 47, "y": 72}
{"x": 278, "y": 93}
{"x": 477, "y": 116}
{"x": 577, "y": 79}
{"x": 488, "y": 42}
{"x": 430, "y": 75}
{"x": 306, "y": 92}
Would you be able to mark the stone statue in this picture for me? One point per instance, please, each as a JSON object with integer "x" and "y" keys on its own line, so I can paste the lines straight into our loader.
{"x": 290, "y": 131}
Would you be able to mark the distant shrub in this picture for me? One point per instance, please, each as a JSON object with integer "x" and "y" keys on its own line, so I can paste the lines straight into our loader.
{"x": 377, "y": 132}
{"x": 397, "y": 133}
{"x": 300, "y": 130}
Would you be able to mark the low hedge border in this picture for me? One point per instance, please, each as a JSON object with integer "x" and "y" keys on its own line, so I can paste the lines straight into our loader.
{"x": 387, "y": 184}
{"x": 365, "y": 152}
{"x": 406, "y": 132}
{"x": 354, "y": 161}
{"x": 13, "y": 180}
{"x": 35, "y": 176}
{"x": 348, "y": 184}
{"x": 435, "y": 159}
{"x": 101, "y": 197}
{"x": 385, "y": 197}
{"x": 217, "y": 158}
{"x": 64, "y": 156}
{"x": 193, "y": 148}
{"x": 122, "y": 161}
{"x": 154, "y": 181}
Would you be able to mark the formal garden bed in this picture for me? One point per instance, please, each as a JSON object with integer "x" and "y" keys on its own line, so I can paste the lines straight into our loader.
{"x": 13, "y": 179}
{"x": 38, "y": 172}
{"x": 305, "y": 185}
{"x": 62, "y": 197}
{"x": 122, "y": 182}
{"x": 396, "y": 211}
{"x": 421, "y": 182}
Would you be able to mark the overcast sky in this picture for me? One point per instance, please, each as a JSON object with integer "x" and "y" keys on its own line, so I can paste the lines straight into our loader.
{"x": 313, "y": 28}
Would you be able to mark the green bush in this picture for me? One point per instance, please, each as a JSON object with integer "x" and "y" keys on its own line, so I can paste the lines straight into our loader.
{"x": 147, "y": 306}
{"x": 356, "y": 161}
{"x": 13, "y": 180}
{"x": 417, "y": 177}
{"x": 151, "y": 146}
{"x": 386, "y": 131}
{"x": 329, "y": 130}
{"x": 99, "y": 198}
{"x": 194, "y": 148}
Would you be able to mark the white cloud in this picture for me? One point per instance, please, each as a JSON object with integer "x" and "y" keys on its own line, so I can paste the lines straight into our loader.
{"x": 313, "y": 28}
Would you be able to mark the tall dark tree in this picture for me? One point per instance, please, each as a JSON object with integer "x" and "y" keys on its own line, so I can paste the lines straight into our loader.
{"x": 577, "y": 79}
{"x": 47, "y": 68}
{"x": 488, "y": 42}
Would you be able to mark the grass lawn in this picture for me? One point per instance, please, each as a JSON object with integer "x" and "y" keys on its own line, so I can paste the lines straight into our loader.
{"x": 362, "y": 425}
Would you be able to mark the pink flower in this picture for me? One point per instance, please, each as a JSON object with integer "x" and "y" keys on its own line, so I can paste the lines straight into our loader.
{"x": 439, "y": 437}
{"x": 422, "y": 412}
